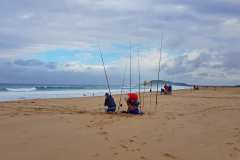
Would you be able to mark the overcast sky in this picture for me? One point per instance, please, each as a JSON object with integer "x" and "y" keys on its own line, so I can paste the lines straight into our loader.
{"x": 57, "y": 41}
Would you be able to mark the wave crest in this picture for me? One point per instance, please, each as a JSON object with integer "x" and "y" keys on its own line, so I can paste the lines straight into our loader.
{"x": 21, "y": 89}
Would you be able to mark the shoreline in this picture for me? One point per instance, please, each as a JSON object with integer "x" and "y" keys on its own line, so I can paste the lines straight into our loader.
{"x": 114, "y": 94}
{"x": 118, "y": 94}
{"x": 21, "y": 96}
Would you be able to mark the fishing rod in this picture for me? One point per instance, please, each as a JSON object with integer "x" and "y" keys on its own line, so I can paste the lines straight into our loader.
{"x": 159, "y": 65}
{"x": 143, "y": 96}
{"x": 130, "y": 68}
{"x": 105, "y": 71}
{"x": 139, "y": 81}
{"x": 144, "y": 85}
{"x": 123, "y": 82}
{"x": 150, "y": 93}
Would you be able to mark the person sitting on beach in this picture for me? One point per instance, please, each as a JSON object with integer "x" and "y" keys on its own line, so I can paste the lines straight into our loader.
{"x": 133, "y": 103}
{"x": 167, "y": 89}
{"x": 110, "y": 103}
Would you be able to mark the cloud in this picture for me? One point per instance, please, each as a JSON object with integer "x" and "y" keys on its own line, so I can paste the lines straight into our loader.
{"x": 201, "y": 38}
{"x": 197, "y": 66}
{"x": 56, "y": 22}
{"x": 78, "y": 67}
{"x": 31, "y": 62}
{"x": 48, "y": 73}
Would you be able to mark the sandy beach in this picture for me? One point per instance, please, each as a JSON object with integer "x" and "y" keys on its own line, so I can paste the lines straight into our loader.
{"x": 189, "y": 125}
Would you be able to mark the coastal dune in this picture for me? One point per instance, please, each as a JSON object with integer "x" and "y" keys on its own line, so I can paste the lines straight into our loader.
{"x": 189, "y": 125}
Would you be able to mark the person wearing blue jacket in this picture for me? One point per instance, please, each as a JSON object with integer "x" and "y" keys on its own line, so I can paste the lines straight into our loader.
{"x": 110, "y": 103}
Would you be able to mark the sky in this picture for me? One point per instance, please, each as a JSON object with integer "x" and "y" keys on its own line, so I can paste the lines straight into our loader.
{"x": 60, "y": 41}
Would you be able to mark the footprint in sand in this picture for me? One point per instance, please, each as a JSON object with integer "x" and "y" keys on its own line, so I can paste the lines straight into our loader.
{"x": 142, "y": 157}
{"x": 115, "y": 154}
{"x": 144, "y": 143}
{"x": 236, "y": 135}
{"x": 26, "y": 114}
{"x": 131, "y": 140}
{"x": 229, "y": 143}
{"x": 124, "y": 146}
{"x": 107, "y": 139}
{"x": 133, "y": 150}
{"x": 88, "y": 126}
{"x": 168, "y": 155}
{"x": 180, "y": 114}
{"x": 236, "y": 149}
{"x": 103, "y": 133}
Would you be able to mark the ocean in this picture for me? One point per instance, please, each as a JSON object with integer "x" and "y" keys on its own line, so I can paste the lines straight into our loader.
{"x": 11, "y": 92}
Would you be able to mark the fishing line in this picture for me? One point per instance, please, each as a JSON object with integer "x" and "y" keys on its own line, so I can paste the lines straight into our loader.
{"x": 123, "y": 83}
{"x": 159, "y": 67}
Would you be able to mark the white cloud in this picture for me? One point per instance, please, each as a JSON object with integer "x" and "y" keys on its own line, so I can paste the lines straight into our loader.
{"x": 78, "y": 67}
{"x": 200, "y": 36}
{"x": 231, "y": 27}
{"x": 26, "y": 16}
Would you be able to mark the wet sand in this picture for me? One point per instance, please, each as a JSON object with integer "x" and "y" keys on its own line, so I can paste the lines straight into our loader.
{"x": 189, "y": 125}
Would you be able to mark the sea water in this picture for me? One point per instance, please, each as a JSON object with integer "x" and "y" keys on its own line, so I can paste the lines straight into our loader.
{"x": 11, "y": 92}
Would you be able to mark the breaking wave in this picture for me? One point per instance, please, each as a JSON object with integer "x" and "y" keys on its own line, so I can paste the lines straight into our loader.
{"x": 20, "y": 89}
{"x": 42, "y": 88}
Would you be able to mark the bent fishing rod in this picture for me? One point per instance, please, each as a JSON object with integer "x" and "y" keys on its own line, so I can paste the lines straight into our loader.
{"x": 105, "y": 71}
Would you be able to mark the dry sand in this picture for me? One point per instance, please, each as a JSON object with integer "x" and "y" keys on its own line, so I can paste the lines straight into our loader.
{"x": 189, "y": 125}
